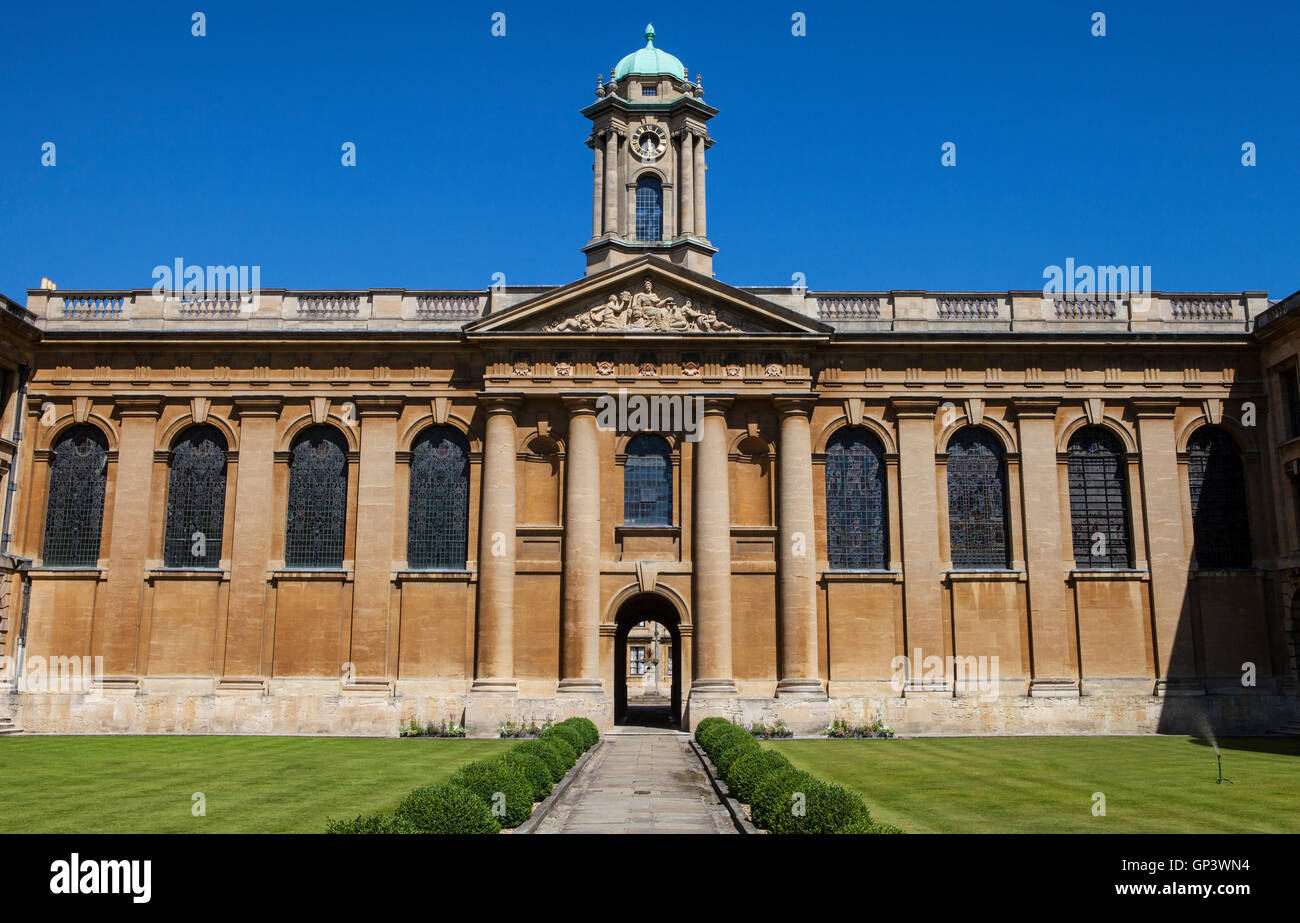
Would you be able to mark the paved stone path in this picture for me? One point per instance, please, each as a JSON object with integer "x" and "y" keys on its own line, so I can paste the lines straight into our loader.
{"x": 641, "y": 780}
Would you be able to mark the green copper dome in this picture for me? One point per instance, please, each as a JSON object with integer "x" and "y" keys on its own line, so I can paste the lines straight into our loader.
{"x": 650, "y": 60}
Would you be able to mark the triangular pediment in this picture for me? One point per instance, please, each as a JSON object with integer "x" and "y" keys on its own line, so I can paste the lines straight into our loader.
{"x": 648, "y": 296}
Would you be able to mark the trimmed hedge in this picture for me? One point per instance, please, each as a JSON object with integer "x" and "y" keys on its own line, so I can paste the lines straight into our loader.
{"x": 548, "y": 753}
{"x": 468, "y": 803}
{"x": 586, "y": 728}
{"x": 534, "y": 770}
{"x": 561, "y": 746}
{"x": 705, "y": 730}
{"x": 750, "y": 769}
{"x": 374, "y": 823}
{"x": 782, "y": 799}
{"x": 501, "y": 786}
{"x": 571, "y": 735}
{"x": 445, "y": 809}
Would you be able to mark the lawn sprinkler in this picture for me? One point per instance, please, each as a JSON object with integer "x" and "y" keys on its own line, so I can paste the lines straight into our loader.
{"x": 1221, "y": 779}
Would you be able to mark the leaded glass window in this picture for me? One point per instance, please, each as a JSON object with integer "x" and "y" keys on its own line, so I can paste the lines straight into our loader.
{"x": 1098, "y": 500}
{"x": 74, "y": 512}
{"x": 648, "y": 482}
{"x": 196, "y": 499}
{"x": 855, "y": 501}
{"x": 1218, "y": 488}
{"x": 649, "y": 209}
{"x": 438, "y": 525}
{"x": 318, "y": 499}
{"x": 977, "y": 504}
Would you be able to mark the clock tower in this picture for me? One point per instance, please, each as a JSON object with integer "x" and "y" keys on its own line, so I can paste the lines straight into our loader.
{"x": 649, "y": 134}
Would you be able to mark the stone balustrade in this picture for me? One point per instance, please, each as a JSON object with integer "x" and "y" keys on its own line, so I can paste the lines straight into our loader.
{"x": 849, "y": 311}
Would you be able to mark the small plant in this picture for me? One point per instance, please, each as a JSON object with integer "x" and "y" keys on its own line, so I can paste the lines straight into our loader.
{"x": 445, "y": 728}
{"x": 778, "y": 730}
{"x": 841, "y": 729}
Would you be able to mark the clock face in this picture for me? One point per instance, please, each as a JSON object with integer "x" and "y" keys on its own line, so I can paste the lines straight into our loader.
{"x": 650, "y": 142}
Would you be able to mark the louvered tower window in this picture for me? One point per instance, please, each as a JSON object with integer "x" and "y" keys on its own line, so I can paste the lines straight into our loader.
{"x": 649, "y": 209}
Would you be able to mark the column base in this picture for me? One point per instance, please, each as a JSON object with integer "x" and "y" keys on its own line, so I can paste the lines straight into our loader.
{"x": 723, "y": 687}
{"x": 580, "y": 687}
{"x": 495, "y": 685}
{"x": 800, "y": 689}
{"x": 1178, "y": 685}
{"x": 927, "y": 688}
{"x": 1042, "y": 688}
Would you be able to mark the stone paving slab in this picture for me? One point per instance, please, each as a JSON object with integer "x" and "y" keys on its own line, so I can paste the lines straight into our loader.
{"x": 641, "y": 781}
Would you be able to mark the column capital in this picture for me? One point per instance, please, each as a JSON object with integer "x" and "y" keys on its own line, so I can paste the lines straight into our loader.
{"x": 138, "y": 405}
{"x": 1033, "y": 407}
{"x": 379, "y": 405}
{"x": 256, "y": 405}
{"x": 581, "y": 402}
{"x": 715, "y": 403}
{"x": 1155, "y": 408}
{"x": 914, "y": 407}
{"x": 500, "y": 401}
{"x": 795, "y": 403}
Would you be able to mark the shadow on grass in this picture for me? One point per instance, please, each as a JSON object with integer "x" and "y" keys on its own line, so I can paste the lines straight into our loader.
{"x": 1280, "y": 746}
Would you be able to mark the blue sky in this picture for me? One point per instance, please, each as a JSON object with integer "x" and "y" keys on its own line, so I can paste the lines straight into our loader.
{"x": 225, "y": 149}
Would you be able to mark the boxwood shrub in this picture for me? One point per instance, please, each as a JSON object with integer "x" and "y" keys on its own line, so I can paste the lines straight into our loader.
{"x": 446, "y": 809}
{"x": 536, "y": 771}
{"x": 489, "y": 779}
{"x": 585, "y": 727}
{"x": 569, "y": 734}
{"x": 705, "y": 730}
{"x": 561, "y": 746}
{"x": 731, "y": 750}
{"x": 374, "y": 823}
{"x": 750, "y": 768}
{"x": 824, "y": 808}
{"x": 548, "y": 753}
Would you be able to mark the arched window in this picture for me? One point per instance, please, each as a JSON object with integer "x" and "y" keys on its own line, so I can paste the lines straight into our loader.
{"x": 318, "y": 499}
{"x": 977, "y": 500}
{"x": 438, "y": 528}
{"x": 648, "y": 482}
{"x": 649, "y": 209}
{"x": 855, "y": 501}
{"x": 1218, "y": 488}
{"x": 74, "y": 513}
{"x": 196, "y": 498}
{"x": 1098, "y": 500}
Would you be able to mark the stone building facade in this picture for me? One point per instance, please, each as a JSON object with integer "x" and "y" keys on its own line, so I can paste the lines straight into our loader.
{"x": 306, "y": 512}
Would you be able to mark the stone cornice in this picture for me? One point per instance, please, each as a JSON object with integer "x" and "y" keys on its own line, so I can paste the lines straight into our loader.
{"x": 376, "y": 405}
{"x": 1155, "y": 408}
{"x": 905, "y": 407}
{"x": 138, "y": 405}
{"x": 256, "y": 405}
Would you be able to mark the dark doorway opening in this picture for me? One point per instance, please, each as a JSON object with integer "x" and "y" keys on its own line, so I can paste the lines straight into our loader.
{"x": 647, "y": 654}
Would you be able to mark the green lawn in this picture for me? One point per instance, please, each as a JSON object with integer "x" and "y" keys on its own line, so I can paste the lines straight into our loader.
{"x": 1046, "y": 785}
{"x": 252, "y": 784}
